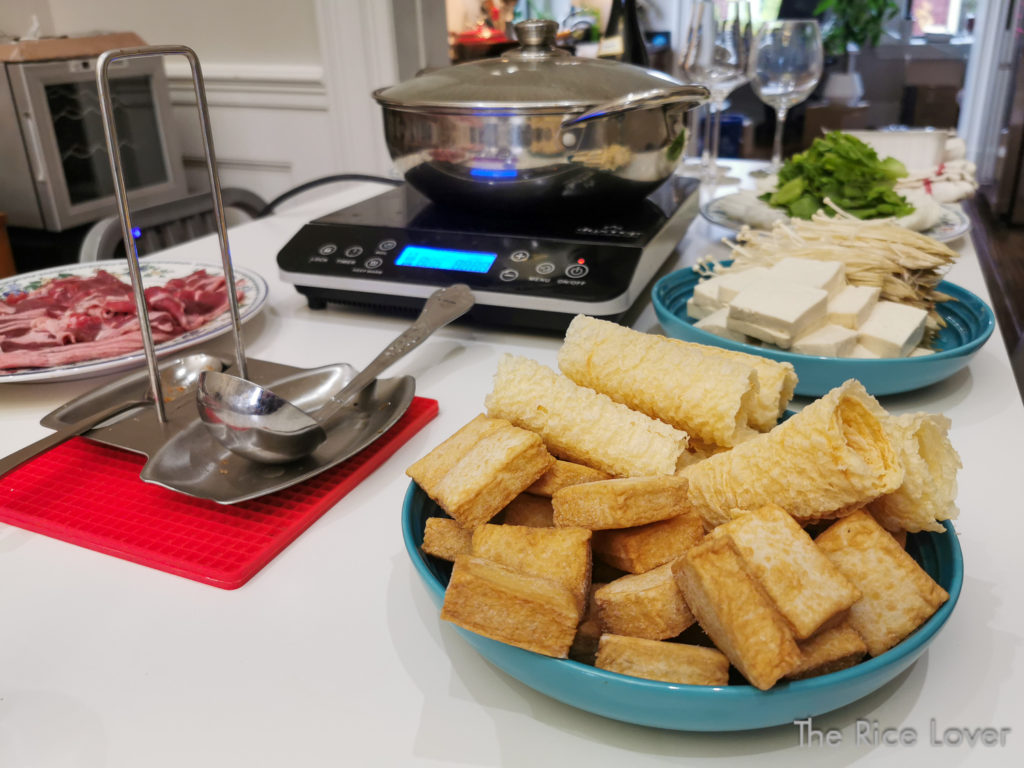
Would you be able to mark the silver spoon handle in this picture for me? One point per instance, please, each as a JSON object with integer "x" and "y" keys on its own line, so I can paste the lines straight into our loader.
{"x": 16, "y": 459}
{"x": 441, "y": 308}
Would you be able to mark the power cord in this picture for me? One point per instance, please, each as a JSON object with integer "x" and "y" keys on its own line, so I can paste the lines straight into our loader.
{"x": 269, "y": 208}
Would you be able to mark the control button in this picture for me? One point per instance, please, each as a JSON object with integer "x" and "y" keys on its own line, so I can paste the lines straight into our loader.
{"x": 327, "y": 249}
{"x": 353, "y": 251}
{"x": 520, "y": 255}
{"x": 373, "y": 263}
{"x": 577, "y": 270}
{"x": 545, "y": 268}
{"x": 508, "y": 275}
{"x": 386, "y": 245}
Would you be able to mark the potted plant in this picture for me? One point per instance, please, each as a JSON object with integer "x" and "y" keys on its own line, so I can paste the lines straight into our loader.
{"x": 853, "y": 25}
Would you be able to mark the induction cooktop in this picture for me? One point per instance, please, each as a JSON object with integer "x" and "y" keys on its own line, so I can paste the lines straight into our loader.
{"x": 391, "y": 251}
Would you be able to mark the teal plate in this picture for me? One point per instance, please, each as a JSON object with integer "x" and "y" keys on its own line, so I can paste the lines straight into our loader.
{"x": 969, "y": 323}
{"x": 693, "y": 707}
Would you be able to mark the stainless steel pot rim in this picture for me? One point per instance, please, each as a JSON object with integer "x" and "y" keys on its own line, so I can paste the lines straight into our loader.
{"x": 495, "y": 108}
{"x": 670, "y": 95}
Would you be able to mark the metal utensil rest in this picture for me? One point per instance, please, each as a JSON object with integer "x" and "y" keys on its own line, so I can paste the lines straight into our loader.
{"x": 110, "y": 131}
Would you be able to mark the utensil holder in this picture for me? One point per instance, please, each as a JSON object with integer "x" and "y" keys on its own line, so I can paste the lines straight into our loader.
{"x": 121, "y": 196}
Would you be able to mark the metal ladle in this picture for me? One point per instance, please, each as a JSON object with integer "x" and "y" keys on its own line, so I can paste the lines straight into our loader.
{"x": 176, "y": 379}
{"x": 253, "y": 422}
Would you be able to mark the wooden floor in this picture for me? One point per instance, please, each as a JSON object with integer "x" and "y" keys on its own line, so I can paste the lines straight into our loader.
{"x": 1001, "y": 254}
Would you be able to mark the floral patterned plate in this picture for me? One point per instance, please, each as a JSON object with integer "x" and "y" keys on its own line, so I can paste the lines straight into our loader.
{"x": 154, "y": 272}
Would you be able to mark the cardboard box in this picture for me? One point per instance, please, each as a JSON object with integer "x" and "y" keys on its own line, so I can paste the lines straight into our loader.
{"x": 823, "y": 117}
{"x": 51, "y": 48}
{"x": 932, "y": 106}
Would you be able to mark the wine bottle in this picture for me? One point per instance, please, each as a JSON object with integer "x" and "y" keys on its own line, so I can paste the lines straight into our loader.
{"x": 623, "y": 39}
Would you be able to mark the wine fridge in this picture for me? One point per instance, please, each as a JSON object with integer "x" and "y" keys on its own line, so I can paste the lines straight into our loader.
{"x": 53, "y": 154}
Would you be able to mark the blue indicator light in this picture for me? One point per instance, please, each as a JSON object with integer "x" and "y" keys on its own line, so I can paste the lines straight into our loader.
{"x": 493, "y": 173}
{"x": 440, "y": 258}
{"x": 136, "y": 232}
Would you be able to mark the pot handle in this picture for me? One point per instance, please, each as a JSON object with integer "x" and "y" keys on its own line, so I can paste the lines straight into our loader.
{"x": 657, "y": 97}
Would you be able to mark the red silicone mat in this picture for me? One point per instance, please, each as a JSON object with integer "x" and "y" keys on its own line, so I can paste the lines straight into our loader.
{"x": 90, "y": 494}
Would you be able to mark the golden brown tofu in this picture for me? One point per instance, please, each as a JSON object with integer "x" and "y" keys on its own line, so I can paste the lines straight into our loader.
{"x": 511, "y": 607}
{"x": 563, "y": 474}
{"x": 561, "y": 555}
{"x": 588, "y": 633}
{"x": 657, "y": 660}
{"x": 897, "y": 595}
{"x": 830, "y": 650}
{"x": 445, "y": 538}
{"x": 527, "y": 509}
{"x": 804, "y": 585}
{"x": 476, "y": 472}
{"x": 620, "y": 503}
{"x": 640, "y": 549}
{"x": 735, "y": 613}
{"x": 647, "y": 605}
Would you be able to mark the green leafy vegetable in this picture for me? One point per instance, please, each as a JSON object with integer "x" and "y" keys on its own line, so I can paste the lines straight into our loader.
{"x": 845, "y": 170}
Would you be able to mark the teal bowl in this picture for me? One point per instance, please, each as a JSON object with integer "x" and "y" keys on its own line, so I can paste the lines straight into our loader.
{"x": 969, "y": 323}
{"x": 694, "y": 707}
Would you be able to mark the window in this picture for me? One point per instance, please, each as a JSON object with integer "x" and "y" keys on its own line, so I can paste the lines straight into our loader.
{"x": 944, "y": 16}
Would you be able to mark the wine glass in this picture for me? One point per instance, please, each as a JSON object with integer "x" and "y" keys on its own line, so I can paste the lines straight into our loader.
{"x": 716, "y": 55}
{"x": 786, "y": 60}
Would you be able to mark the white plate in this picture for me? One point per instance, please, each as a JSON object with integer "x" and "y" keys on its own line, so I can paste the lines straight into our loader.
{"x": 953, "y": 224}
{"x": 154, "y": 272}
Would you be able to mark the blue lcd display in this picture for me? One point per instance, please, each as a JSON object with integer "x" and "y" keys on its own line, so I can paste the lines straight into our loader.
{"x": 441, "y": 258}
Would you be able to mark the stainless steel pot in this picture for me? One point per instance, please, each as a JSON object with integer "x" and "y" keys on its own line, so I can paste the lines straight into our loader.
{"x": 537, "y": 127}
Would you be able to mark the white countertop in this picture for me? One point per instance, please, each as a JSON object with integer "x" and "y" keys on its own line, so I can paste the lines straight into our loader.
{"x": 334, "y": 655}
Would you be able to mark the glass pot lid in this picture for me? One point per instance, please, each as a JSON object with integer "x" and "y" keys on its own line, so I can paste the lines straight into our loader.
{"x": 536, "y": 77}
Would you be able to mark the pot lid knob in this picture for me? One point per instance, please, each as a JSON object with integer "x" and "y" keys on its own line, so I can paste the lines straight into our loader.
{"x": 537, "y": 36}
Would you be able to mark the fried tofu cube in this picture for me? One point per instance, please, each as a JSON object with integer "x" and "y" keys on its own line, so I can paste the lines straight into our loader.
{"x": 645, "y": 547}
{"x": 828, "y": 651}
{"x": 647, "y": 605}
{"x": 561, "y": 555}
{"x": 621, "y": 502}
{"x": 735, "y": 613}
{"x": 477, "y": 471}
{"x": 588, "y": 633}
{"x": 658, "y": 660}
{"x": 563, "y": 474}
{"x": 898, "y": 596}
{"x": 807, "y": 589}
{"x": 526, "y": 611}
{"x": 445, "y": 538}
{"x": 527, "y": 509}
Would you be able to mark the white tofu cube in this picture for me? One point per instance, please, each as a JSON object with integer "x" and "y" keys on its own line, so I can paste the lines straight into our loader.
{"x": 731, "y": 283}
{"x": 864, "y": 353}
{"x": 830, "y": 276}
{"x": 786, "y": 309}
{"x": 697, "y": 311}
{"x": 716, "y": 323}
{"x": 852, "y": 305}
{"x": 827, "y": 341}
{"x": 921, "y": 352}
{"x": 705, "y": 295}
{"x": 769, "y": 336}
{"x": 892, "y": 329}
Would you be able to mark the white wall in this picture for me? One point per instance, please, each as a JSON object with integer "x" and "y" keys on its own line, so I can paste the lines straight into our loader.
{"x": 221, "y": 31}
{"x": 16, "y": 17}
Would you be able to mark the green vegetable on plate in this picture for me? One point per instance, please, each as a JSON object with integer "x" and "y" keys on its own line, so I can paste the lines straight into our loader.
{"x": 847, "y": 172}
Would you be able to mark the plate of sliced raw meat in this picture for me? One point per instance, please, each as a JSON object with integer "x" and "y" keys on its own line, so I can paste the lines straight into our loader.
{"x": 79, "y": 320}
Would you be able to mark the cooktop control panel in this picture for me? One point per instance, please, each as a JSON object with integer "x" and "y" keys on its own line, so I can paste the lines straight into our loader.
{"x": 390, "y": 251}
{"x": 503, "y": 264}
